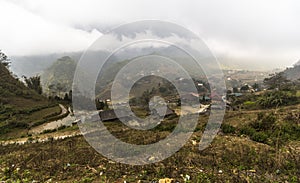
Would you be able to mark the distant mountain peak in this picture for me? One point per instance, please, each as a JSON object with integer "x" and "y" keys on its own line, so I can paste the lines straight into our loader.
{"x": 64, "y": 58}
{"x": 293, "y": 73}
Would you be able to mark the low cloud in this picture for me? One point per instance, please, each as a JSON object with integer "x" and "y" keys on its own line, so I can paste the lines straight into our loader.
{"x": 25, "y": 33}
{"x": 264, "y": 32}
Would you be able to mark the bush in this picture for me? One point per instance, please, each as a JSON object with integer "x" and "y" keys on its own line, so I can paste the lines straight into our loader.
{"x": 40, "y": 122}
{"x": 291, "y": 131}
{"x": 54, "y": 114}
{"x": 227, "y": 128}
{"x": 165, "y": 127}
{"x": 61, "y": 127}
{"x": 264, "y": 121}
{"x": 277, "y": 98}
{"x": 259, "y": 137}
{"x": 48, "y": 131}
{"x": 247, "y": 130}
{"x": 54, "y": 130}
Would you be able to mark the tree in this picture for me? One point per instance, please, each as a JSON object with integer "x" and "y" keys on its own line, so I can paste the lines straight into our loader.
{"x": 277, "y": 98}
{"x": 146, "y": 97}
{"x": 60, "y": 88}
{"x": 4, "y": 59}
{"x": 235, "y": 90}
{"x": 70, "y": 95}
{"x": 278, "y": 80}
{"x": 66, "y": 97}
{"x": 255, "y": 86}
{"x": 34, "y": 83}
{"x": 101, "y": 105}
{"x": 245, "y": 88}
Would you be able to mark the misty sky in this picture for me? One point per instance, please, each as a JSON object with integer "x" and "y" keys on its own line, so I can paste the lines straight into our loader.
{"x": 263, "y": 33}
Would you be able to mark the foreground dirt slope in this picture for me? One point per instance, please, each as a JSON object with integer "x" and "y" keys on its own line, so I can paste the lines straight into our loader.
{"x": 232, "y": 157}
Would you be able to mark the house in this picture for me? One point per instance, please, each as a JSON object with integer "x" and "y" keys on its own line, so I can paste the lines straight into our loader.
{"x": 189, "y": 97}
{"x": 215, "y": 96}
{"x": 110, "y": 115}
{"x": 76, "y": 122}
{"x": 217, "y": 107}
{"x": 203, "y": 109}
{"x": 163, "y": 112}
{"x": 206, "y": 98}
{"x": 236, "y": 94}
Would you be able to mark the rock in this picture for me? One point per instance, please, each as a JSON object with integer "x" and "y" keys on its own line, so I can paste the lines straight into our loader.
{"x": 194, "y": 142}
{"x": 92, "y": 169}
{"x": 165, "y": 180}
{"x": 187, "y": 178}
{"x": 252, "y": 171}
{"x": 151, "y": 158}
{"x": 49, "y": 180}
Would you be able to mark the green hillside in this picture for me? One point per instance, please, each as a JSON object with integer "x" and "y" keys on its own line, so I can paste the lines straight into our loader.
{"x": 21, "y": 107}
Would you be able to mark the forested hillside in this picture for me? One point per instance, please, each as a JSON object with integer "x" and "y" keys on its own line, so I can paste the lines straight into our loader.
{"x": 19, "y": 105}
{"x": 58, "y": 78}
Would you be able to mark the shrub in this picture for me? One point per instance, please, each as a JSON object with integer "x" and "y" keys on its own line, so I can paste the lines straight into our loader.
{"x": 291, "y": 131}
{"x": 264, "y": 121}
{"x": 259, "y": 137}
{"x": 15, "y": 124}
{"x": 247, "y": 130}
{"x": 165, "y": 127}
{"x": 48, "y": 131}
{"x": 227, "y": 128}
{"x": 277, "y": 98}
{"x": 40, "y": 122}
{"x": 61, "y": 127}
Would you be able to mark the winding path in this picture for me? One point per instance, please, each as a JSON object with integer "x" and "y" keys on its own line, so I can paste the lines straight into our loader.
{"x": 36, "y": 131}
{"x": 67, "y": 121}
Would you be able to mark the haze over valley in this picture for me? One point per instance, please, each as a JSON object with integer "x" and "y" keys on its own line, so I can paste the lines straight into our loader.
{"x": 149, "y": 91}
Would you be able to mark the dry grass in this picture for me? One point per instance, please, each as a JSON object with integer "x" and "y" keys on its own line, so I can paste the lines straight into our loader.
{"x": 230, "y": 158}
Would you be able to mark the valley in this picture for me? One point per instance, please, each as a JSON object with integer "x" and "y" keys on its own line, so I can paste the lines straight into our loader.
{"x": 258, "y": 141}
